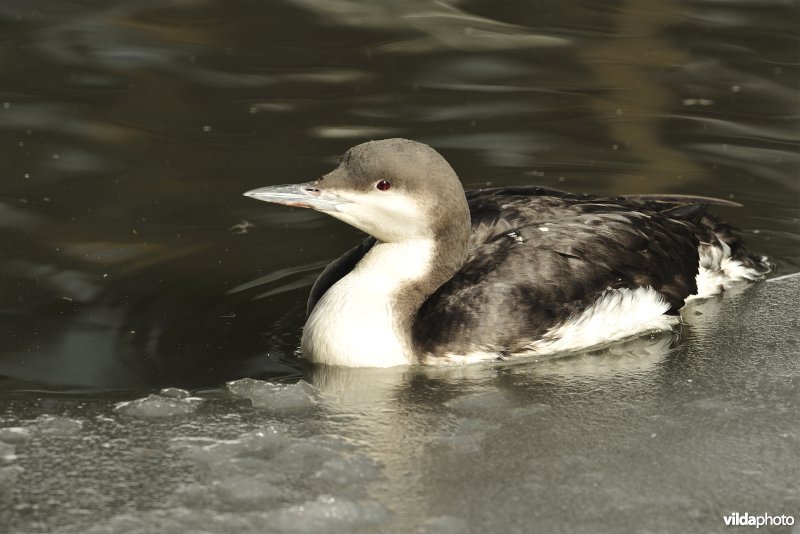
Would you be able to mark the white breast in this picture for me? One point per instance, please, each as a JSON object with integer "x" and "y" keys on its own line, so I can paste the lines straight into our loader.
{"x": 353, "y": 323}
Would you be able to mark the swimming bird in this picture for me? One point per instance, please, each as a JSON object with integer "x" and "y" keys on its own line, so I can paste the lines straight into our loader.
{"x": 452, "y": 277}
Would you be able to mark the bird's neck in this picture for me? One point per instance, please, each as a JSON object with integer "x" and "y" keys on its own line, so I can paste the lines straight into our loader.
{"x": 365, "y": 319}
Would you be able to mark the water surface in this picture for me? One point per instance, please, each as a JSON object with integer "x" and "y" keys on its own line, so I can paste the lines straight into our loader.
{"x": 129, "y": 130}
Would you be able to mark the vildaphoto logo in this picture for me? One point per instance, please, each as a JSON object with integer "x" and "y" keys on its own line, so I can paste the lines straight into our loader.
{"x": 764, "y": 520}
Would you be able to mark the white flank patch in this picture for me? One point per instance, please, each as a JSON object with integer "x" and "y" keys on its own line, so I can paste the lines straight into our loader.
{"x": 618, "y": 314}
{"x": 352, "y": 324}
{"x": 472, "y": 357}
{"x": 718, "y": 271}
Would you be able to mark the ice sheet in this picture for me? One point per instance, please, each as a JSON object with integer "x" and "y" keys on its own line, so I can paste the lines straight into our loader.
{"x": 644, "y": 437}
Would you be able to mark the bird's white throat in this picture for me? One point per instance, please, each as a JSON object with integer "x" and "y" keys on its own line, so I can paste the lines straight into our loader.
{"x": 354, "y": 323}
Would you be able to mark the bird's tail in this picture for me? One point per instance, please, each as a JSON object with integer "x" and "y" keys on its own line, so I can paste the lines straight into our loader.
{"x": 724, "y": 259}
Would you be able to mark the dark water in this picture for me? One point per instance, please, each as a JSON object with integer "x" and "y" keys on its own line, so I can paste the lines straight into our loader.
{"x": 129, "y": 130}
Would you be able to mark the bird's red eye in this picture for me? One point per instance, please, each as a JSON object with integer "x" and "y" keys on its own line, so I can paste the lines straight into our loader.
{"x": 383, "y": 185}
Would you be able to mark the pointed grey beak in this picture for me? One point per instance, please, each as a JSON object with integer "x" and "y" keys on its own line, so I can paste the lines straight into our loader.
{"x": 299, "y": 195}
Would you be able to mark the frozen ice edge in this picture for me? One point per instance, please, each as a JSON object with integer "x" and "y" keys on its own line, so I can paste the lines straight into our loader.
{"x": 170, "y": 402}
{"x": 298, "y": 396}
{"x": 269, "y": 477}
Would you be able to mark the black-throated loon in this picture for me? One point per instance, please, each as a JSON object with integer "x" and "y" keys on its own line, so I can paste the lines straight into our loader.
{"x": 449, "y": 277}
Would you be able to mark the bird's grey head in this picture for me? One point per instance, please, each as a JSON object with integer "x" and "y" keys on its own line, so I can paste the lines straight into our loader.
{"x": 393, "y": 189}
